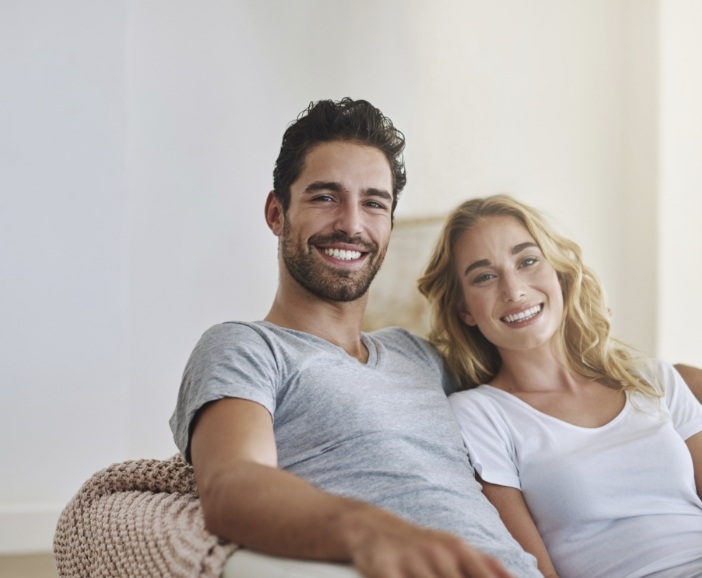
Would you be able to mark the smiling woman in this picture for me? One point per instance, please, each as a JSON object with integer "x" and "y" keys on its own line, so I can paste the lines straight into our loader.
{"x": 554, "y": 406}
{"x": 507, "y": 284}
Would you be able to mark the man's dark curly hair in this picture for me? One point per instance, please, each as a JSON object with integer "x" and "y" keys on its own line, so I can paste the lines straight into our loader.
{"x": 349, "y": 120}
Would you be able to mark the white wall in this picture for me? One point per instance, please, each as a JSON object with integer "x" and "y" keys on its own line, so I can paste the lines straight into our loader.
{"x": 137, "y": 142}
{"x": 63, "y": 287}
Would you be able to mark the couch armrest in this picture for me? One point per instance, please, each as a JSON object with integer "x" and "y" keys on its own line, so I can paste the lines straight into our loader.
{"x": 246, "y": 564}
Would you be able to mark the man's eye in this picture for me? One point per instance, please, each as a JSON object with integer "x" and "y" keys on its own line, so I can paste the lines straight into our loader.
{"x": 323, "y": 198}
{"x": 375, "y": 205}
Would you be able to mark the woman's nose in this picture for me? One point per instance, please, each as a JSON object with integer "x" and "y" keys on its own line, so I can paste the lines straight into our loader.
{"x": 513, "y": 287}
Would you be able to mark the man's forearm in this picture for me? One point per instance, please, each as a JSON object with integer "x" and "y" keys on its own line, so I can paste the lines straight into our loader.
{"x": 272, "y": 511}
{"x": 249, "y": 501}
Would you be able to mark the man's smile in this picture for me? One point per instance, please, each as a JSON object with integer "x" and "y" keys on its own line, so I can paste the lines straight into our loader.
{"x": 342, "y": 254}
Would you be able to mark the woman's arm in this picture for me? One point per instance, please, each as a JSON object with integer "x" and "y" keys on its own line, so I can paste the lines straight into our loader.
{"x": 694, "y": 443}
{"x": 515, "y": 514}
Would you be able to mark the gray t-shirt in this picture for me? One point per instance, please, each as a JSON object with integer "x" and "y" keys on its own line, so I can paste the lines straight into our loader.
{"x": 381, "y": 432}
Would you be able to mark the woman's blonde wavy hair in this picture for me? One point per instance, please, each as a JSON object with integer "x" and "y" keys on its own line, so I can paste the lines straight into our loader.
{"x": 588, "y": 348}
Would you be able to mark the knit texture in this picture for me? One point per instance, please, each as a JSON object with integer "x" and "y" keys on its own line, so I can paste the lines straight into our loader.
{"x": 138, "y": 519}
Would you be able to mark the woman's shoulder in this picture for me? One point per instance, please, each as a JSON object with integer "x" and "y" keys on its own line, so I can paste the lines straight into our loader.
{"x": 658, "y": 372}
{"x": 480, "y": 397}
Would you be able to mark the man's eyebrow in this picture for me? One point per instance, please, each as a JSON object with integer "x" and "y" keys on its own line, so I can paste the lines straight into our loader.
{"x": 380, "y": 193}
{"x": 324, "y": 186}
{"x": 486, "y": 262}
{"x": 338, "y": 188}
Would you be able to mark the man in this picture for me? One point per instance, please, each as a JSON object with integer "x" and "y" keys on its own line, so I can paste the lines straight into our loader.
{"x": 309, "y": 438}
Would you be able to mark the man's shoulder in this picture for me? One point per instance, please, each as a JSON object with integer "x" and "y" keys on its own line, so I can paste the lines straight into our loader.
{"x": 261, "y": 336}
{"x": 232, "y": 331}
{"x": 236, "y": 330}
{"x": 406, "y": 343}
{"x": 394, "y": 334}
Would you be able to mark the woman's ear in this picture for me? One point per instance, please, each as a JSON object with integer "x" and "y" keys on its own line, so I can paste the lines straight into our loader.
{"x": 465, "y": 316}
{"x": 275, "y": 217}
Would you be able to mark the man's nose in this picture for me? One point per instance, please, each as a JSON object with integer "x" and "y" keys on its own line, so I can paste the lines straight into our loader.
{"x": 349, "y": 219}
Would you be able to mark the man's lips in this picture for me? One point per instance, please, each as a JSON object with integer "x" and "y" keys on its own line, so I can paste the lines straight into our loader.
{"x": 342, "y": 248}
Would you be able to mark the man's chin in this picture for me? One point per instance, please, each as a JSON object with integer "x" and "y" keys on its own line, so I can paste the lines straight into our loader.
{"x": 332, "y": 284}
{"x": 339, "y": 294}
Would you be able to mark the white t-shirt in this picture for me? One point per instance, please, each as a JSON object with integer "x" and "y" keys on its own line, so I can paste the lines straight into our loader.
{"x": 610, "y": 502}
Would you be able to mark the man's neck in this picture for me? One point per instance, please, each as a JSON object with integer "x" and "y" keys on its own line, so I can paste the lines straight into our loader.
{"x": 339, "y": 323}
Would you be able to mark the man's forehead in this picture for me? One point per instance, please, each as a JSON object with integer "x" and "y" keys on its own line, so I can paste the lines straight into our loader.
{"x": 344, "y": 160}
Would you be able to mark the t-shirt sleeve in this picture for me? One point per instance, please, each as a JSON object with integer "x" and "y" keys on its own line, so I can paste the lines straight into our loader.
{"x": 487, "y": 438}
{"x": 448, "y": 383}
{"x": 684, "y": 407}
{"x": 414, "y": 345}
{"x": 230, "y": 360}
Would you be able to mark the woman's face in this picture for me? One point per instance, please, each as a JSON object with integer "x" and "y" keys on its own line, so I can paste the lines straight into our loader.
{"x": 510, "y": 291}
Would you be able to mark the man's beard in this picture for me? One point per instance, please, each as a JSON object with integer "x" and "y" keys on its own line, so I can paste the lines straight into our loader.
{"x": 324, "y": 280}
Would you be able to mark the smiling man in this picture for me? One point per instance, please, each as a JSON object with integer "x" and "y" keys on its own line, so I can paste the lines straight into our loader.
{"x": 349, "y": 229}
{"x": 311, "y": 439}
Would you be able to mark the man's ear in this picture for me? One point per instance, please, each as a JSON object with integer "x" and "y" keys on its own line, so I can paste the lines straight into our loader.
{"x": 274, "y": 214}
{"x": 465, "y": 316}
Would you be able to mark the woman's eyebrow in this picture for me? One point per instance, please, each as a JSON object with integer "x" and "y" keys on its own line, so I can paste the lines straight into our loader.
{"x": 476, "y": 265}
{"x": 486, "y": 262}
{"x": 519, "y": 248}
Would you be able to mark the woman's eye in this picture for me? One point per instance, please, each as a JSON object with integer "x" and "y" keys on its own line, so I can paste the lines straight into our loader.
{"x": 529, "y": 261}
{"x": 483, "y": 278}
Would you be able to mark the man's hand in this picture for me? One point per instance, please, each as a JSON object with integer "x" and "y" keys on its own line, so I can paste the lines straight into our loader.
{"x": 392, "y": 548}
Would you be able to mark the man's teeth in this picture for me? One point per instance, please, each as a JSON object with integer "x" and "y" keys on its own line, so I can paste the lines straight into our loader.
{"x": 522, "y": 315}
{"x": 342, "y": 254}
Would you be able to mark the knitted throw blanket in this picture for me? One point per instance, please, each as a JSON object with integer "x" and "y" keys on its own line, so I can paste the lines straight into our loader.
{"x": 138, "y": 519}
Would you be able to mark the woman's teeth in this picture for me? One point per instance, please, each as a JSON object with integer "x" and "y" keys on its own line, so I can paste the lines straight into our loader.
{"x": 522, "y": 315}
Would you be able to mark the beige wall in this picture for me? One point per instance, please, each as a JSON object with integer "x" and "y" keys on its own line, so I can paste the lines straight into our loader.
{"x": 679, "y": 199}
{"x": 137, "y": 147}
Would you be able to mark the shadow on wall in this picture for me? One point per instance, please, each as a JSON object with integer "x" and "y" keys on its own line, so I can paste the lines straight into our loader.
{"x": 394, "y": 298}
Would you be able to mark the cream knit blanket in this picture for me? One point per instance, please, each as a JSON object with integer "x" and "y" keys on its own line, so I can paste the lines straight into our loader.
{"x": 138, "y": 519}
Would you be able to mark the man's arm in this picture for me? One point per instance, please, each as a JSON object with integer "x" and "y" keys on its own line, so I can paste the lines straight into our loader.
{"x": 693, "y": 378}
{"x": 249, "y": 501}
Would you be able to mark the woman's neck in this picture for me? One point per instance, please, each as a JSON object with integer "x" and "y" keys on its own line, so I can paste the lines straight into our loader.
{"x": 535, "y": 370}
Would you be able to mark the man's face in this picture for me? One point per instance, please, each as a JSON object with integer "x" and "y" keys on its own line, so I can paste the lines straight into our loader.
{"x": 337, "y": 227}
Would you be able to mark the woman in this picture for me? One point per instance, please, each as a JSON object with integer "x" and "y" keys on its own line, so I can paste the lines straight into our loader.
{"x": 591, "y": 455}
